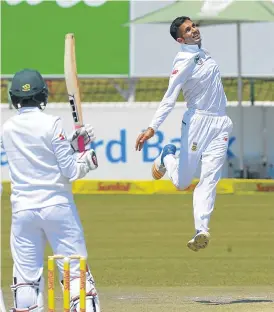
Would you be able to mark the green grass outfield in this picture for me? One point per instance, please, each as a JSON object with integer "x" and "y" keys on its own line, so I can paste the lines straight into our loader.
{"x": 138, "y": 254}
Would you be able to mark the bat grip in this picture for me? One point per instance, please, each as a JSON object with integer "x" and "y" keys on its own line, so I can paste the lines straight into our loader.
{"x": 81, "y": 142}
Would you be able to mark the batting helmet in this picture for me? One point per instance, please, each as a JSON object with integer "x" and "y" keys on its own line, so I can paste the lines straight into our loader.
{"x": 28, "y": 88}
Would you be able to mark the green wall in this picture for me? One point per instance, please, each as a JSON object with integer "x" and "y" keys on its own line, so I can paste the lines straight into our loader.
{"x": 33, "y": 37}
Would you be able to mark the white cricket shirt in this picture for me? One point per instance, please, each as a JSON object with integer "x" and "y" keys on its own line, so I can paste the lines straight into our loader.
{"x": 40, "y": 159}
{"x": 198, "y": 76}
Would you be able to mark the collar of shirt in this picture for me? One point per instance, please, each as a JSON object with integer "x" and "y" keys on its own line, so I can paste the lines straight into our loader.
{"x": 23, "y": 110}
{"x": 192, "y": 48}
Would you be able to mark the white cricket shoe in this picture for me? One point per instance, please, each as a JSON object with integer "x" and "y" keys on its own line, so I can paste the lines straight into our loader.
{"x": 199, "y": 241}
{"x": 158, "y": 167}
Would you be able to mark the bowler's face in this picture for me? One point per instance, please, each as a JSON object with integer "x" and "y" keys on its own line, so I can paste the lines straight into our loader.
{"x": 189, "y": 33}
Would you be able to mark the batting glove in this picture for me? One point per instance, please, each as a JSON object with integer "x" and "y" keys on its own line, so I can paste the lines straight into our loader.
{"x": 86, "y": 131}
{"x": 86, "y": 161}
{"x": 88, "y": 158}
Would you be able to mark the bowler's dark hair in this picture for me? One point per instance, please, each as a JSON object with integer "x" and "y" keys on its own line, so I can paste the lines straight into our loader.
{"x": 174, "y": 27}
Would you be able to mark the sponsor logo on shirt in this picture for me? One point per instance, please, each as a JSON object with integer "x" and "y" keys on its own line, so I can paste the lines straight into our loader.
{"x": 198, "y": 60}
{"x": 175, "y": 71}
{"x": 194, "y": 146}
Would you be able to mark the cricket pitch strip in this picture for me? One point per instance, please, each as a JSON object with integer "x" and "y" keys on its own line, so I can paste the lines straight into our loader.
{"x": 178, "y": 299}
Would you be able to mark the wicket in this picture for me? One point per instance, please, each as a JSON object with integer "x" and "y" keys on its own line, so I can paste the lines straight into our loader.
{"x": 66, "y": 282}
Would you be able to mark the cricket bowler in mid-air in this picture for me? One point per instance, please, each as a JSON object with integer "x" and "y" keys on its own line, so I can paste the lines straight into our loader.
{"x": 205, "y": 126}
{"x": 42, "y": 164}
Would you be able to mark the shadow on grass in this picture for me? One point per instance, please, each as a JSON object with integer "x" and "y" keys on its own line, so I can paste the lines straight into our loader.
{"x": 239, "y": 301}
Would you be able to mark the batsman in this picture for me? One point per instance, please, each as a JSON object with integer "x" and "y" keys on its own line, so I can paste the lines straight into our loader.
{"x": 43, "y": 162}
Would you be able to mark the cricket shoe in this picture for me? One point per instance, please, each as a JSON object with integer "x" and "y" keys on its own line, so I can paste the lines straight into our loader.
{"x": 199, "y": 241}
{"x": 158, "y": 167}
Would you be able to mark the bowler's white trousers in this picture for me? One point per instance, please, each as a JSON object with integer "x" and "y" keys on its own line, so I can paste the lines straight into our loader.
{"x": 60, "y": 225}
{"x": 204, "y": 138}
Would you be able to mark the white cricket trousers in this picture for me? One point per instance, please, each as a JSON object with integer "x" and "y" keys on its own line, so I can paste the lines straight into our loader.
{"x": 204, "y": 138}
{"x": 60, "y": 225}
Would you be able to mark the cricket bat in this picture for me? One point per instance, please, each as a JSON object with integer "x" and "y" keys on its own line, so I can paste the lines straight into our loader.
{"x": 72, "y": 84}
{"x": 2, "y": 305}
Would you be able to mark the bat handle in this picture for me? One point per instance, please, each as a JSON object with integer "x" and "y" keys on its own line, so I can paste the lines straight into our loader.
{"x": 81, "y": 144}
